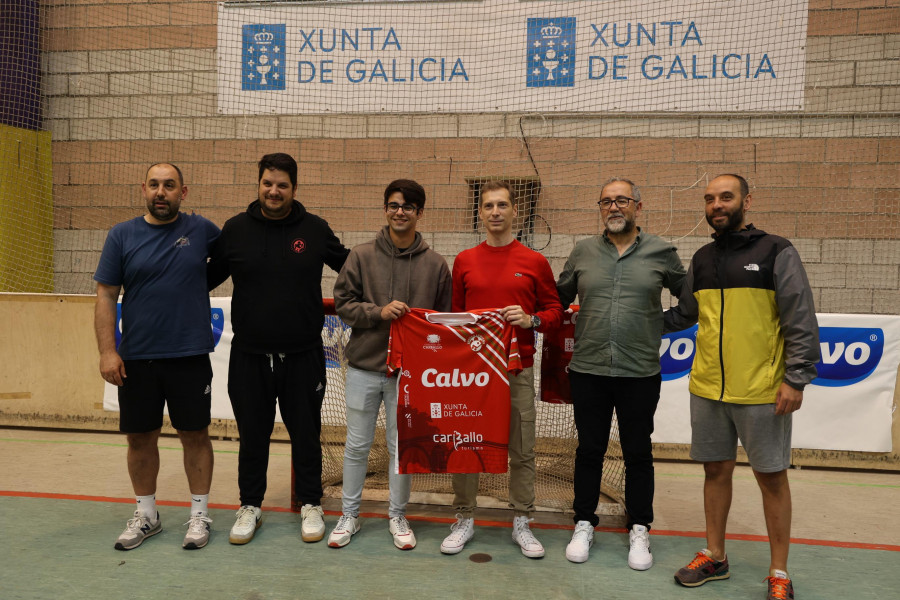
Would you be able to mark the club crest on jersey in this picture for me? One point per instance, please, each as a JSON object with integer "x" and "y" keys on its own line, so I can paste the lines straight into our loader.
{"x": 182, "y": 242}
{"x": 476, "y": 343}
{"x": 433, "y": 342}
{"x": 298, "y": 246}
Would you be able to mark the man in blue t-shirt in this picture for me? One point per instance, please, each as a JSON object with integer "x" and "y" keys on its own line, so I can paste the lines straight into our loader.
{"x": 163, "y": 356}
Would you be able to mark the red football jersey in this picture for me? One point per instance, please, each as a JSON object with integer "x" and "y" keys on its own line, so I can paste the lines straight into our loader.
{"x": 559, "y": 345}
{"x": 453, "y": 410}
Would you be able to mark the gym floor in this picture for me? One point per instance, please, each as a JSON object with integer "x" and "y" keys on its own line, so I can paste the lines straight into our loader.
{"x": 65, "y": 497}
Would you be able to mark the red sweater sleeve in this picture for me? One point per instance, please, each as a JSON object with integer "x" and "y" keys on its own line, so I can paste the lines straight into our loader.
{"x": 549, "y": 309}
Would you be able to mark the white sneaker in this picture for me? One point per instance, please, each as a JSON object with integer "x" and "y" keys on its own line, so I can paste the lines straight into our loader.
{"x": 639, "y": 557}
{"x": 137, "y": 530}
{"x": 462, "y": 532}
{"x": 312, "y": 523}
{"x": 198, "y": 532}
{"x": 346, "y": 528}
{"x": 249, "y": 519}
{"x": 404, "y": 538}
{"x": 522, "y": 535}
{"x": 582, "y": 539}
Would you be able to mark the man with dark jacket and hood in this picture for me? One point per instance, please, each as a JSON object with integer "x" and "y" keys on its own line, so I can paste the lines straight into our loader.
{"x": 757, "y": 346}
{"x": 379, "y": 283}
{"x": 274, "y": 253}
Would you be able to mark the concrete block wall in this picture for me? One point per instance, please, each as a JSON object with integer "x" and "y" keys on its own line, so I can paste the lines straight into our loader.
{"x": 132, "y": 83}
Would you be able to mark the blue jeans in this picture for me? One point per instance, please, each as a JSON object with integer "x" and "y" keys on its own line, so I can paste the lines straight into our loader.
{"x": 364, "y": 392}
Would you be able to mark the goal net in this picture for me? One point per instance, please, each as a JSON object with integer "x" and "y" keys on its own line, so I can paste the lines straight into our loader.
{"x": 556, "y": 96}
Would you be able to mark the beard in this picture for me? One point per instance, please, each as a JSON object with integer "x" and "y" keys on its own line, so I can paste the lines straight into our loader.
{"x": 276, "y": 213}
{"x": 733, "y": 220}
{"x": 162, "y": 213}
{"x": 618, "y": 224}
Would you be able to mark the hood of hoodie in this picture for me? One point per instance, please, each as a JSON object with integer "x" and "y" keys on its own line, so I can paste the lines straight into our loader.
{"x": 738, "y": 239}
{"x": 385, "y": 244}
{"x": 298, "y": 211}
{"x": 297, "y": 214}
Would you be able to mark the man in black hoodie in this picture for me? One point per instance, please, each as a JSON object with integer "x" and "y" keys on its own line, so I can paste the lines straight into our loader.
{"x": 274, "y": 253}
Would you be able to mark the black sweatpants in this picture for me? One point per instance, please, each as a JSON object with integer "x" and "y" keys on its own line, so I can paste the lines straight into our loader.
{"x": 634, "y": 399}
{"x": 297, "y": 381}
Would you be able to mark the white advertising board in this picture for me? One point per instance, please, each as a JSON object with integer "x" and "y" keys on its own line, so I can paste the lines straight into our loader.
{"x": 511, "y": 56}
{"x": 848, "y": 407}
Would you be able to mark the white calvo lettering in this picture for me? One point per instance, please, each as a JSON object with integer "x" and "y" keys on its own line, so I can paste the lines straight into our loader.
{"x": 855, "y": 354}
{"x": 433, "y": 378}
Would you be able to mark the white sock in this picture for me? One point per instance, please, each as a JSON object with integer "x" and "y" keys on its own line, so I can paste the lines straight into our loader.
{"x": 200, "y": 504}
{"x": 146, "y": 506}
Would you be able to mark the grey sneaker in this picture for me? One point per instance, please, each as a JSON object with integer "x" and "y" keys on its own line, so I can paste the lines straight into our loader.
{"x": 702, "y": 569}
{"x": 404, "y": 538}
{"x": 521, "y": 534}
{"x": 579, "y": 548}
{"x": 346, "y": 528}
{"x": 461, "y": 532}
{"x": 137, "y": 530}
{"x": 249, "y": 519}
{"x": 198, "y": 532}
{"x": 312, "y": 523}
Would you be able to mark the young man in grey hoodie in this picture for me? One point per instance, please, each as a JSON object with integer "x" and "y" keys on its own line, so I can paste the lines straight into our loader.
{"x": 379, "y": 283}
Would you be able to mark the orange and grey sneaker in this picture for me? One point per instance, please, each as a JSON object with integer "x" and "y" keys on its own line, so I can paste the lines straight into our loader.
{"x": 780, "y": 586}
{"x": 702, "y": 569}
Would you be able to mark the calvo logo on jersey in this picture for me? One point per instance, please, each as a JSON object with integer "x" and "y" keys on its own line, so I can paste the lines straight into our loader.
{"x": 849, "y": 355}
{"x": 676, "y": 353}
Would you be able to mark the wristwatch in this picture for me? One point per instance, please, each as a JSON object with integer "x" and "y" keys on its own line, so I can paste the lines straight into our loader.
{"x": 535, "y": 321}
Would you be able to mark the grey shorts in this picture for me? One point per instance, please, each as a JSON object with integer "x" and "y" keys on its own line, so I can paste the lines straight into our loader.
{"x": 716, "y": 427}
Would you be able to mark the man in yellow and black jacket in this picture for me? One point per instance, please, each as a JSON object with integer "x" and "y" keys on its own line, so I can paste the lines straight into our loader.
{"x": 757, "y": 347}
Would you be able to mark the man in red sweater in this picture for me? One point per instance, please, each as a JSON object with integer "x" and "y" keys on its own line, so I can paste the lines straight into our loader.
{"x": 502, "y": 272}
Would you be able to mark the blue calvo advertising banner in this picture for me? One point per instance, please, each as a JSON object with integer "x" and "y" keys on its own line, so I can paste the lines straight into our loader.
{"x": 676, "y": 353}
{"x": 849, "y": 354}
{"x": 848, "y": 407}
{"x": 216, "y": 322}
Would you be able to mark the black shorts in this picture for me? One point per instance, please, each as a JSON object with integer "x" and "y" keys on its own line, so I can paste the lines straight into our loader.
{"x": 181, "y": 383}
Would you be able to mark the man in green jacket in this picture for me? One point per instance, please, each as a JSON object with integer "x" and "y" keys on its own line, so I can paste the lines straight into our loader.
{"x": 618, "y": 277}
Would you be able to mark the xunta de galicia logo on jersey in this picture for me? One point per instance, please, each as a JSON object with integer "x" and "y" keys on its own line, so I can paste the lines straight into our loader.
{"x": 849, "y": 355}
{"x": 676, "y": 353}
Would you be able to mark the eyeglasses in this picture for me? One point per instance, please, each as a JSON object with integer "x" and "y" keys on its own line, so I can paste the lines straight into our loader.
{"x": 621, "y": 202}
{"x": 408, "y": 209}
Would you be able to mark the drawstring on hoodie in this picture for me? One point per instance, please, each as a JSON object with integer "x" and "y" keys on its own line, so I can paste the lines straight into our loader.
{"x": 271, "y": 358}
{"x": 408, "y": 274}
